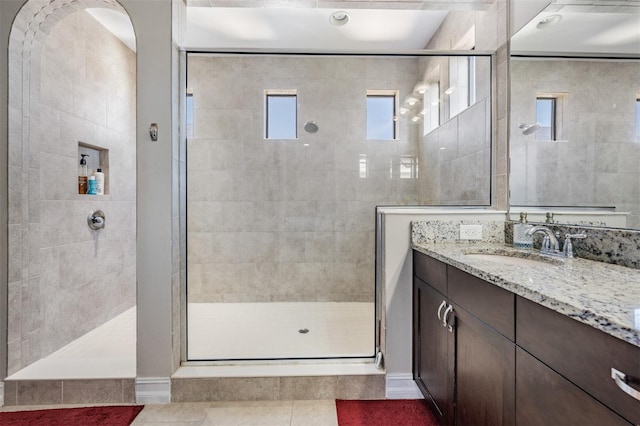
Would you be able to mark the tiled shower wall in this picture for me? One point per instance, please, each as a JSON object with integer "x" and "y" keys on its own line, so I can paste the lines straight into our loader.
{"x": 275, "y": 220}
{"x": 597, "y": 162}
{"x": 456, "y": 156}
{"x": 64, "y": 279}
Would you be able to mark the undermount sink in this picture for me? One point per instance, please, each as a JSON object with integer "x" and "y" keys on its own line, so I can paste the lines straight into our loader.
{"x": 504, "y": 257}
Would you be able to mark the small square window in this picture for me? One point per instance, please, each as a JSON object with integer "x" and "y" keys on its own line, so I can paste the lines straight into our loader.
{"x": 381, "y": 117}
{"x": 281, "y": 116}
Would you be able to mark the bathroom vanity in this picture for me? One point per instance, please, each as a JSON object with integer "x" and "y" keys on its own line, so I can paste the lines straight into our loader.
{"x": 502, "y": 336}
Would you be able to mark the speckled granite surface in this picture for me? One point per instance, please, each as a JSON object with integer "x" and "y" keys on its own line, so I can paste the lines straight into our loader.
{"x": 441, "y": 231}
{"x": 609, "y": 245}
{"x": 602, "y": 295}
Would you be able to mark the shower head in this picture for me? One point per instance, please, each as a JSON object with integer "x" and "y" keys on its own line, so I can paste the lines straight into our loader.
{"x": 310, "y": 127}
{"x": 527, "y": 129}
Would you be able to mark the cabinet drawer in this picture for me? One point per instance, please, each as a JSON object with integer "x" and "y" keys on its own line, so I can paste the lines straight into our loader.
{"x": 581, "y": 353}
{"x": 489, "y": 303}
{"x": 543, "y": 397}
{"x": 431, "y": 271}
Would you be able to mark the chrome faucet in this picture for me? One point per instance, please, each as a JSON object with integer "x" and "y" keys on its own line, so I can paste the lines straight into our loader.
{"x": 550, "y": 244}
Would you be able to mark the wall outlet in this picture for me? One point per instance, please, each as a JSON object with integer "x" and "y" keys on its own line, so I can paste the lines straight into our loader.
{"x": 470, "y": 232}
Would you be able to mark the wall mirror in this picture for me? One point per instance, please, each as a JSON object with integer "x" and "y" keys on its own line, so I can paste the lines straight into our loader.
{"x": 575, "y": 111}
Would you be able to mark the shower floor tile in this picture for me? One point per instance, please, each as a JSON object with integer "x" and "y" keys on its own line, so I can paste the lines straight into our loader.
{"x": 106, "y": 352}
{"x": 219, "y": 331}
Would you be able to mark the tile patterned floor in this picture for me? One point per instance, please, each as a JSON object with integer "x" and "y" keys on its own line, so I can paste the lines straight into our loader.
{"x": 245, "y": 413}
{"x": 254, "y": 413}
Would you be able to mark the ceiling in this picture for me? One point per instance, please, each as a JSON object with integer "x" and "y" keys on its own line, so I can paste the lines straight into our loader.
{"x": 309, "y": 28}
{"x": 581, "y": 30}
{"x": 117, "y": 23}
{"x": 610, "y": 27}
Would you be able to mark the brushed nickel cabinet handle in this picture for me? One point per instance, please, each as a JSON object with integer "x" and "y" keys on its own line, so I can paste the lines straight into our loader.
{"x": 442, "y": 305}
{"x": 445, "y": 320}
{"x": 621, "y": 380}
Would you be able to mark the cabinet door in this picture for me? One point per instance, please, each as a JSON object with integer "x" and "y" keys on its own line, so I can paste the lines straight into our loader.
{"x": 580, "y": 353}
{"x": 432, "y": 369}
{"x": 484, "y": 373}
{"x": 544, "y": 398}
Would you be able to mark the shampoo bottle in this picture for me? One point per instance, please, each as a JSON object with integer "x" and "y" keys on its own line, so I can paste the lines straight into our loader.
{"x": 520, "y": 238}
{"x": 92, "y": 185}
{"x": 99, "y": 182}
{"x": 82, "y": 175}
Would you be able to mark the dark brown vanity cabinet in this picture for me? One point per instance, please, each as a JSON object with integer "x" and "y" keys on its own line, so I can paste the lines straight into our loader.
{"x": 494, "y": 358}
{"x": 432, "y": 341}
{"x": 564, "y": 371}
{"x": 544, "y": 397}
{"x": 463, "y": 365}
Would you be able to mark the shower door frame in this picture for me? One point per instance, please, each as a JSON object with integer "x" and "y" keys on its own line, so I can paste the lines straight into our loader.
{"x": 379, "y": 308}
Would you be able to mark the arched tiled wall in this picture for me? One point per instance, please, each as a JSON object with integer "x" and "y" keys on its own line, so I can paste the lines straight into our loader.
{"x": 28, "y": 35}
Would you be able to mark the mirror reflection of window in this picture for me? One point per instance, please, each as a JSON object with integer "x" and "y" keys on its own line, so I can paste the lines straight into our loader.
{"x": 189, "y": 114}
{"x": 546, "y": 117}
{"x": 638, "y": 119}
{"x": 363, "y": 166}
{"x": 408, "y": 167}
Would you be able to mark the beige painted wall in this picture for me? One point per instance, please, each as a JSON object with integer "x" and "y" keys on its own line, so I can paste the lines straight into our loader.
{"x": 71, "y": 279}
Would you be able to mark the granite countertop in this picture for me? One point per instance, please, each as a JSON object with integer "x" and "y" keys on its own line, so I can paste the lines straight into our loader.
{"x": 601, "y": 295}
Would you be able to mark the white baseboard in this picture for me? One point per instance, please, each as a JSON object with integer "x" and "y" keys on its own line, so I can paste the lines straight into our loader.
{"x": 402, "y": 386}
{"x": 1, "y": 394}
{"x": 153, "y": 390}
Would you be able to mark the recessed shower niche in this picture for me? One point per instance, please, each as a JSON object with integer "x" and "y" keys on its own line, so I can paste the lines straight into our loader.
{"x": 92, "y": 159}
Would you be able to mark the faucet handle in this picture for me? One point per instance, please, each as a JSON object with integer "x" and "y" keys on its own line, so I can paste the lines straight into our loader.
{"x": 568, "y": 246}
{"x": 546, "y": 244}
{"x": 579, "y": 236}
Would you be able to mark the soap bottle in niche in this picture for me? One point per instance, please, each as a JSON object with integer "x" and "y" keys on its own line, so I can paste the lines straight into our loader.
{"x": 91, "y": 185}
{"x": 83, "y": 175}
{"x": 520, "y": 238}
{"x": 99, "y": 182}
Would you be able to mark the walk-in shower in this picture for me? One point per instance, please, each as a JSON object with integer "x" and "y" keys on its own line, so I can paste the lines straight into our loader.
{"x": 67, "y": 276}
{"x": 281, "y": 214}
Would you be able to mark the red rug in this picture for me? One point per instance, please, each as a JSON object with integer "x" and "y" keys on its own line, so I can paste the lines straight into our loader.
{"x": 386, "y": 412}
{"x": 85, "y": 416}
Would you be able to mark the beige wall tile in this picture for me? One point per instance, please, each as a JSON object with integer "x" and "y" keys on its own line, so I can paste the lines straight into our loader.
{"x": 39, "y": 392}
{"x": 92, "y": 391}
{"x": 300, "y": 388}
{"x": 361, "y": 387}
